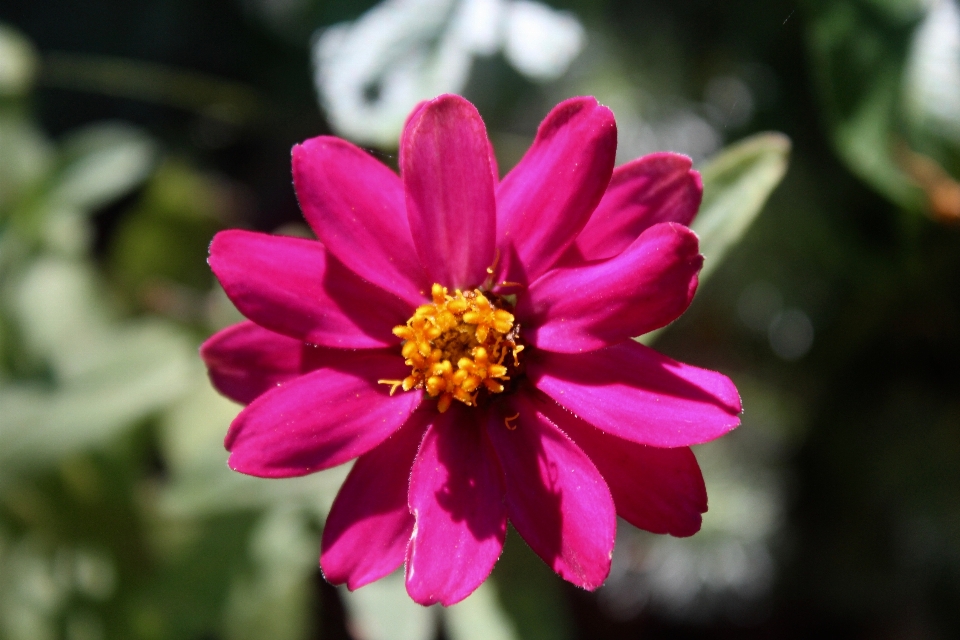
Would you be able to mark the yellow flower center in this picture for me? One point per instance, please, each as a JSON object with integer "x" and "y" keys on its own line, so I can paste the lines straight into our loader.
{"x": 460, "y": 347}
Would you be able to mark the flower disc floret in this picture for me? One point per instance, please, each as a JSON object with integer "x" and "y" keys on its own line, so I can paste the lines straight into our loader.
{"x": 459, "y": 347}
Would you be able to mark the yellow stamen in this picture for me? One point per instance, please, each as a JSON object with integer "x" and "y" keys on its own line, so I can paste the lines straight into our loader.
{"x": 509, "y": 422}
{"x": 496, "y": 259}
{"x": 444, "y": 402}
{"x": 393, "y": 384}
{"x": 456, "y": 346}
{"x": 493, "y": 386}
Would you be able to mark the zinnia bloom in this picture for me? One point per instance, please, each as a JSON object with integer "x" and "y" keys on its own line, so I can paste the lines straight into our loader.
{"x": 469, "y": 341}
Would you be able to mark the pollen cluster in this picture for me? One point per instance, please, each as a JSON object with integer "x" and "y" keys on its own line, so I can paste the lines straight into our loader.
{"x": 458, "y": 348}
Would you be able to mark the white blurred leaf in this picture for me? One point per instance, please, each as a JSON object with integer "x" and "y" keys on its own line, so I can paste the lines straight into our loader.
{"x": 382, "y": 610}
{"x": 102, "y": 162}
{"x": 478, "y": 22}
{"x": 933, "y": 71}
{"x": 41, "y": 425}
{"x": 370, "y": 73}
{"x": 30, "y": 594}
{"x": 55, "y": 302}
{"x": 479, "y": 617}
{"x": 67, "y": 232}
{"x": 107, "y": 374}
{"x": 736, "y": 185}
{"x": 541, "y": 42}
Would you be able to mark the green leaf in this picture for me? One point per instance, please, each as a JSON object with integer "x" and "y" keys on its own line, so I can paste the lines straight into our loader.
{"x": 101, "y": 163}
{"x": 531, "y": 593}
{"x": 18, "y": 62}
{"x": 859, "y": 50}
{"x": 736, "y": 185}
{"x": 164, "y": 239}
{"x": 187, "y": 594}
{"x": 25, "y": 157}
{"x": 864, "y": 141}
{"x": 274, "y": 599}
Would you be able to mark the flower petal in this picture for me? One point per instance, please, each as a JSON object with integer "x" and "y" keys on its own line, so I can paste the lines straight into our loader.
{"x": 556, "y": 498}
{"x": 494, "y": 168}
{"x": 597, "y": 304}
{"x": 294, "y": 287}
{"x": 356, "y": 207}
{"x": 456, "y": 496}
{"x": 659, "y": 490}
{"x": 544, "y": 202}
{"x": 366, "y": 534}
{"x": 660, "y": 187}
{"x": 245, "y": 360}
{"x": 635, "y": 393}
{"x": 323, "y": 418}
{"x": 445, "y": 165}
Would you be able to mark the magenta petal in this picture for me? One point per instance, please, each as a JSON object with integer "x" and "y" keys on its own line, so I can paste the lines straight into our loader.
{"x": 456, "y": 496}
{"x": 445, "y": 165}
{"x": 245, "y": 360}
{"x": 356, "y": 207}
{"x": 637, "y": 394}
{"x": 366, "y": 534}
{"x": 544, "y": 202}
{"x": 494, "y": 167}
{"x": 659, "y": 490}
{"x": 294, "y": 287}
{"x": 597, "y": 304}
{"x": 660, "y": 187}
{"x": 323, "y": 418}
{"x": 556, "y": 498}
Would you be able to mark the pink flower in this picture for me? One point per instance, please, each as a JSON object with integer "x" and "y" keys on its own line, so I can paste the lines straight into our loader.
{"x": 469, "y": 340}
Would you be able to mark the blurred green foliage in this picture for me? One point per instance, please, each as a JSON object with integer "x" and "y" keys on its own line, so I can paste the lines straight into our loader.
{"x": 131, "y": 132}
{"x": 887, "y": 75}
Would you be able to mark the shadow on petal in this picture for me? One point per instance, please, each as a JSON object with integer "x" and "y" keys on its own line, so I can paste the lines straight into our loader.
{"x": 468, "y": 483}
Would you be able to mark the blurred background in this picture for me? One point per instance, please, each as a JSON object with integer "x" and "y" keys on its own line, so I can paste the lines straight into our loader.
{"x": 130, "y": 132}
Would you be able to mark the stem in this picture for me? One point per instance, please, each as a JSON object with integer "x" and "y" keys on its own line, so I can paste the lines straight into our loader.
{"x": 230, "y": 102}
